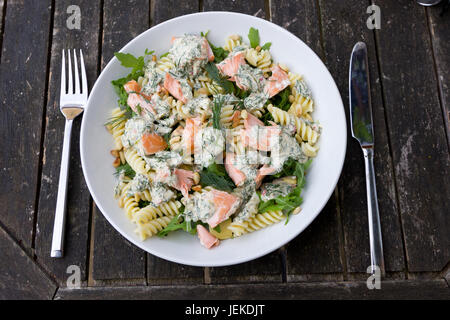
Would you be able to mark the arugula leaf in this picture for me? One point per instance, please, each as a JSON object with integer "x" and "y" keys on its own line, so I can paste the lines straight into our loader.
{"x": 291, "y": 201}
{"x": 175, "y": 224}
{"x": 281, "y": 99}
{"x": 179, "y": 223}
{"x": 129, "y": 172}
{"x": 253, "y": 36}
{"x": 143, "y": 203}
{"x": 266, "y": 46}
{"x": 218, "y": 169}
{"x": 215, "y": 176}
{"x": 216, "y": 109}
{"x": 221, "y": 81}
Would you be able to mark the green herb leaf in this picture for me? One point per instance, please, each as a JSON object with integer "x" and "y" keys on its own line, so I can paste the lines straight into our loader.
{"x": 217, "y": 109}
{"x": 164, "y": 55}
{"x": 216, "y": 177}
{"x": 291, "y": 201}
{"x": 143, "y": 203}
{"x": 221, "y": 81}
{"x": 266, "y": 46}
{"x": 128, "y": 171}
{"x": 253, "y": 36}
{"x": 219, "y": 53}
{"x": 281, "y": 99}
{"x": 129, "y": 61}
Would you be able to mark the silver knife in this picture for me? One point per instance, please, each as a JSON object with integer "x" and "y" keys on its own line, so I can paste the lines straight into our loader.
{"x": 362, "y": 130}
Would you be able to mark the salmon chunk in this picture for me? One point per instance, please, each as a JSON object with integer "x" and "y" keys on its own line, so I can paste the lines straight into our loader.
{"x": 193, "y": 126}
{"x": 206, "y": 238}
{"x": 153, "y": 143}
{"x": 265, "y": 170}
{"x": 258, "y": 136}
{"x": 235, "y": 174}
{"x": 136, "y": 98}
{"x": 174, "y": 87}
{"x": 225, "y": 205}
{"x": 230, "y": 65}
{"x": 184, "y": 182}
{"x": 276, "y": 82}
{"x": 208, "y": 50}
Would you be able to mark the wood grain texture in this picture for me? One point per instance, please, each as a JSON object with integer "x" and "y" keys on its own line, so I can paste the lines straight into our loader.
{"x": 390, "y": 290}
{"x": 315, "y": 250}
{"x": 163, "y": 10}
{"x": 255, "y": 7}
{"x": 78, "y": 197}
{"x": 439, "y": 26}
{"x": 113, "y": 256}
{"x": 343, "y": 25}
{"x": 160, "y": 271}
{"x": 418, "y": 139}
{"x": 22, "y": 90}
{"x": 20, "y": 277}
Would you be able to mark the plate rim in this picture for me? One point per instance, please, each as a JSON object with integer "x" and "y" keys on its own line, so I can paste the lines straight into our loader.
{"x": 340, "y": 106}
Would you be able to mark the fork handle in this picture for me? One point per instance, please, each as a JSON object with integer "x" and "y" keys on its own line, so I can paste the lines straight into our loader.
{"x": 60, "y": 213}
{"x": 376, "y": 242}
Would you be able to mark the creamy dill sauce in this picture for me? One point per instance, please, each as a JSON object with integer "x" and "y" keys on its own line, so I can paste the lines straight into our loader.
{"x": 160, "y": 193}
{"x": 272, "y": 190}
{"x": 255, "y": 101}
{"x": 139, "y": 183}
{"x": 251, "y": 79}
{"x": 208, "y": 144}
{"x": 197, "y": 106}
{"x": 164, "y": 159}
{"x": 189, "y": 54}
{"x": 302, "y": 89}
{"x": 286, "y": 148}
{"x": 154, "y": 78}
{"x": 249, "y": 209}
{"x": 161, "y": 107}
{"x": 134, "y": 129}
{"x": 199, "y": 206}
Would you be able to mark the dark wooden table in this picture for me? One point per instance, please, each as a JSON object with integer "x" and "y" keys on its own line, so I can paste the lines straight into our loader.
{"x": 409, "y": 62}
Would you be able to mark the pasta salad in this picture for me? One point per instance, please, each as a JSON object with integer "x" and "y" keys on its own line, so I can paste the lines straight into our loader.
{"x": 214, "y": 141}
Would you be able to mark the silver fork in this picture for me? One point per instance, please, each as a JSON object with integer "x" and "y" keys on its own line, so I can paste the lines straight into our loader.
{"x": 71, "y": 104}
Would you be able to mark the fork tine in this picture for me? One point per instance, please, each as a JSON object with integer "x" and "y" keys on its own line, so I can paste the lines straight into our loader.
{"x": 84, "y": 84}
{"x": 70, "y": 82}
{"x": 77, "y": 78}
{"x": 63, "y": 75}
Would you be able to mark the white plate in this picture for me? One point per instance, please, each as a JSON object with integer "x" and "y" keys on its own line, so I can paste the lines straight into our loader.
{"x": 323, "y": 174}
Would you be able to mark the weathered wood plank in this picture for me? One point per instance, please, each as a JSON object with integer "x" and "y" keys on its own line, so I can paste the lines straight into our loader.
{"x": 113, "y": 256}
{"x": 78, "y": 203}
{"x": 316, "y": 250}
{"x": 256, "y": 7}
{"x": 343, "y": 25}
{"x": 160, "y": 271}
{"x": 22, "y": 90}
{"x": 269, "y": 267}
{"x": 164, "y": 10}
{"x": 20, "y": 277}
{"x": 439, "y": 27}
{"x": 392, "y": 290}
{"x": 418, "y": 139}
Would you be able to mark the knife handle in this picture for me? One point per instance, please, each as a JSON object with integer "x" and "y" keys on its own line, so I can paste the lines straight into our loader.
{"x": 376, "y": 242}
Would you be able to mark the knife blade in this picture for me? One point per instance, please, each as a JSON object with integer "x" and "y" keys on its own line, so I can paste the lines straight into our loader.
{"x": 362, "y": 130}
